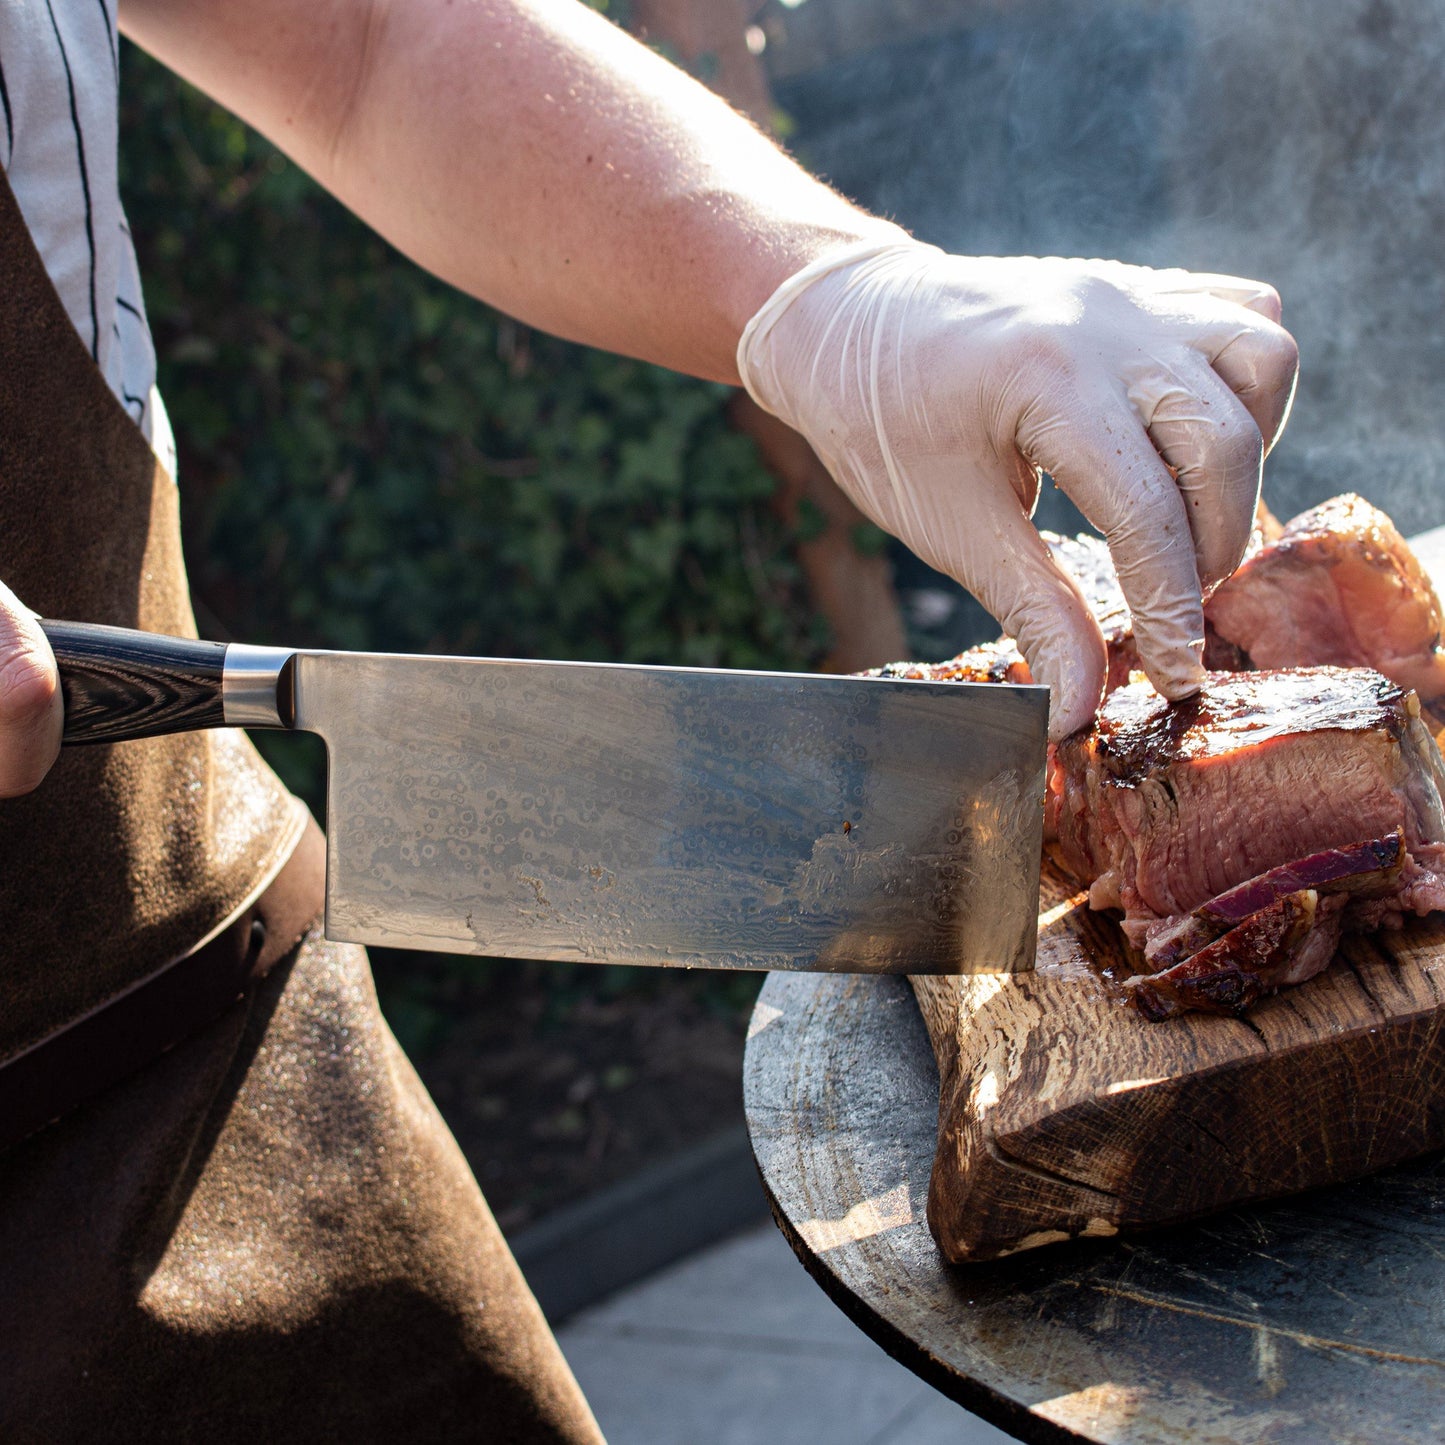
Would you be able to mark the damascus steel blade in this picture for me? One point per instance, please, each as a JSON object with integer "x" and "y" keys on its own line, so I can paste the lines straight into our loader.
{"x": 672, "y": 816}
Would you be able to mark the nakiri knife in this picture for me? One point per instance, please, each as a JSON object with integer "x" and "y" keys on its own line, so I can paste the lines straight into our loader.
{"x": 611, "y": 813}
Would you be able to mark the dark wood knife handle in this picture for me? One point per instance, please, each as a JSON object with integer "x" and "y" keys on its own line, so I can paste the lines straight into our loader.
{"x": 118, "y": 684}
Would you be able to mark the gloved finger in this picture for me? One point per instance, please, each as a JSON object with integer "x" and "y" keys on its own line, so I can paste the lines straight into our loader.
{"x": 1205, "y": 434}
{"x": 30, "y": 705}
{"x": 1255, "y": 358}
{"x": 1260, "y": 365}
{"x": 1096, "y": 449}
{"x": 1042, "y": 608}
{"x": 994, "y": 551}
{"x": 1257, "y": 296}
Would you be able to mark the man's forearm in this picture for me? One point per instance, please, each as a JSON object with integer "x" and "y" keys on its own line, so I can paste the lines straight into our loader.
{"x": 527, "y": 151}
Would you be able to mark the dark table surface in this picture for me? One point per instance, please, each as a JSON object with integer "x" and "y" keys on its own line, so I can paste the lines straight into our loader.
{"x": 1318, "y": 1318}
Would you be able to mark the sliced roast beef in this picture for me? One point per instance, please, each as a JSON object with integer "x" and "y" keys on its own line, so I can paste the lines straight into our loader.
{"x": 1339, "y": 586}
{"x": 1165, "y": 806}
{"x": 1273, "y": 931}
{"x": 1240, "y": 832}
{"x": 1286, "y": 942}
{"x": 1368, "y": 869}
{"x": 1201, "y": 819}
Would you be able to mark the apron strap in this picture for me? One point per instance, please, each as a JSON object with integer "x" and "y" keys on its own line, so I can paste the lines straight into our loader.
{"x": 66, "y": 1069}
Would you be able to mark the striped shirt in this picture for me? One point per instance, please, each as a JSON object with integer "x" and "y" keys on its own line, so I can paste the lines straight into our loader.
{"x": 59, "y": 93}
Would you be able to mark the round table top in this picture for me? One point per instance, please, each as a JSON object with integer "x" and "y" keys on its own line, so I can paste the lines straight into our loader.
{"x": 1319, "y": 1318}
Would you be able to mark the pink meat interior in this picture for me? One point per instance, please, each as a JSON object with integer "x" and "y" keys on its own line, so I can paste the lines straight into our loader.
{"x": 1166, "y": 806}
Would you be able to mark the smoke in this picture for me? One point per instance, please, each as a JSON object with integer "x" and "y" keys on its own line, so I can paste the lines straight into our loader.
{"x": 1304, "y": 144}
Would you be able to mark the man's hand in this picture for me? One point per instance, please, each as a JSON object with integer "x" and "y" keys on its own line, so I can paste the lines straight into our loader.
{"x": 30, "y": 706}
{"x": 937, "y": 387}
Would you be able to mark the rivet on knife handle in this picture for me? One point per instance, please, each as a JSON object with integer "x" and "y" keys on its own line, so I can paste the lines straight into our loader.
{"x": 118, "y": 684}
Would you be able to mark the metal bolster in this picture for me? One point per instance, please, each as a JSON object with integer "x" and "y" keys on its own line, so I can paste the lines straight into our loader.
{"x": 256, "y": 689}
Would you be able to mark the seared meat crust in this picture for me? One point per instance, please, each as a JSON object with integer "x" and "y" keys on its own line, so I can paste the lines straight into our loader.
{"x": 989, "y": 662}
{"x": 1166, "y": 806}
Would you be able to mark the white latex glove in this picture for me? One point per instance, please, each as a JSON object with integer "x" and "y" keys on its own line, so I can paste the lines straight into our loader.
{"x": 30, "y": 705}
{"x": 935, "y": 388}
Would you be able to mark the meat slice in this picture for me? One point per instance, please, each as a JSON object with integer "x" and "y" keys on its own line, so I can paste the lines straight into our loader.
{"x": 1370, "y": 869}
{"x": 1286, "y": 942}
{"x": 1165, "y": 807}
{"x": 1339, "y": 586}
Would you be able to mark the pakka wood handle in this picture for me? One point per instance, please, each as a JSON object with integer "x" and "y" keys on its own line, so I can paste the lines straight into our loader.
{"x": 118, "y": 684}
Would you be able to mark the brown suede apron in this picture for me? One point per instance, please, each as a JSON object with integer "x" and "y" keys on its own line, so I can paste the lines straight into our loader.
{"x": 265, "y": 1233}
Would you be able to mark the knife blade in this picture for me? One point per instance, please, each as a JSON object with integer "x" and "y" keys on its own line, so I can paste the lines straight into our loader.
{"x": 613, "y": 813}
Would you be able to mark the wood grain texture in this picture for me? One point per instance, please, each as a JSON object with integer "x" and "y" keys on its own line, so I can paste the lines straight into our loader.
{"x": 1064, "y": 1113}
{"x": 1320, "y": 1317}
{"x": 119, "y": 684}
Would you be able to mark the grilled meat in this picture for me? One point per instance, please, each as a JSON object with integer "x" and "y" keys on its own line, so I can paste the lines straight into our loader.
{"x": 1367, "y": 870}
{"x": 1288, "y": 941}
{"x": 1339, "y": 586}
{"x": 1241, "y": 830}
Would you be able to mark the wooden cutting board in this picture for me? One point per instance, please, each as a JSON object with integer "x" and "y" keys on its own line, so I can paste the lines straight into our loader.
{"x": 1064, "y": 1113}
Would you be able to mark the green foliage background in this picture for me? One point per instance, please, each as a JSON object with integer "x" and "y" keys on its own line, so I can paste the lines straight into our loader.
{"x": 369, "y": 459}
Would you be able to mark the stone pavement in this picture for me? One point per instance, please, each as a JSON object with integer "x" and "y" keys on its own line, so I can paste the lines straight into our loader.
{"x": 737, "y": 1346}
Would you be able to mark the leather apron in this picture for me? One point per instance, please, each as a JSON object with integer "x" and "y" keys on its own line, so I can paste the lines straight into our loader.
{"x": 267, "y": 1232}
